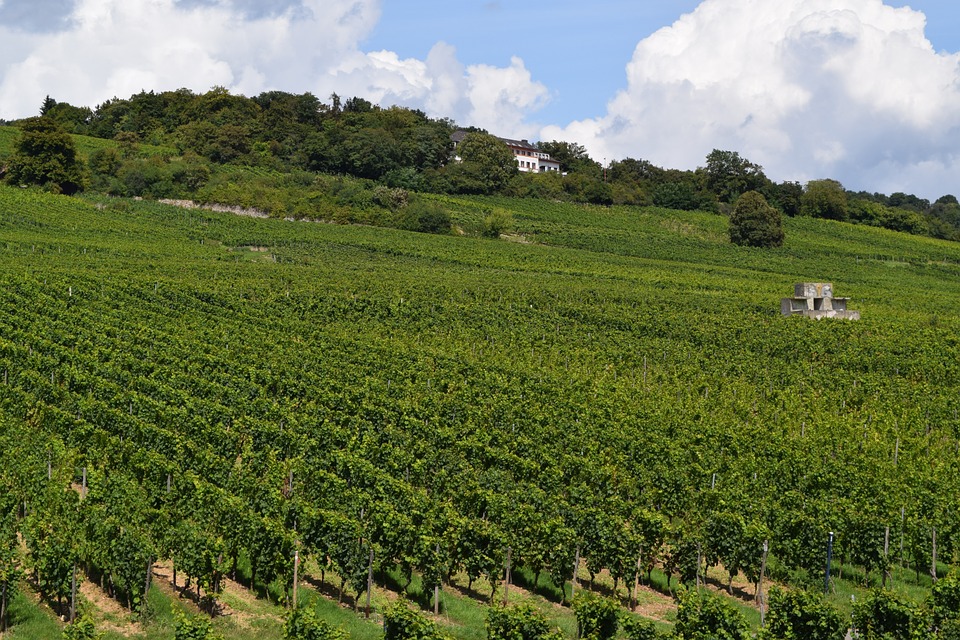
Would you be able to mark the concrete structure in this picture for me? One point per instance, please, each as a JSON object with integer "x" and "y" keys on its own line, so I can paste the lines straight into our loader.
{"x": 815, "y": 300}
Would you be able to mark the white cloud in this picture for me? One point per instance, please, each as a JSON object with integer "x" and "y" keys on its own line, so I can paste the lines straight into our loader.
{"x": 849, "y": 89}
{"x": 116, "y": 48}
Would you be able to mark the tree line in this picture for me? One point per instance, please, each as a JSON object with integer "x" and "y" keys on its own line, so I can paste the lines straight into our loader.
{"x": 403, "y": 148}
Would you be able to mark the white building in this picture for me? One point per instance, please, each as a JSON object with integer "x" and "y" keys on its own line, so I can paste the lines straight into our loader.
{"x": 529, "y": 158}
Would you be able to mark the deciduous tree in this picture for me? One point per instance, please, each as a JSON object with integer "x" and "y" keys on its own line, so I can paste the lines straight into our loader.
{"x": 754, "y": 223}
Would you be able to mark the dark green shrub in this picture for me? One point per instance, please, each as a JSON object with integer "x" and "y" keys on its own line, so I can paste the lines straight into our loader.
{"x": 520, "y": 622}
{"x": 303, "y": 624}
{"x": 704, "y": 616}
{"x": 400, "y": 622}
{"x": 597, "y": 617}
{"x": 796, "y": 615}
{"x": 754, "y": 223}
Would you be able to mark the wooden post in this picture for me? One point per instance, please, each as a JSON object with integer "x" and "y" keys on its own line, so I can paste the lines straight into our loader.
{"x": 576, "y": 568}
{"x": 699, "y": 560}
{"x": 73, "y": 593}
{"x": 506, "y": 578}
{"x": 83, "y": 485}
{"x": 763, "y": 570}
{"x": 436, "y": 590}
{"x": 933, "y": 557}
{"x": 903, "y": 515}
{"x": 146, "y": 583}
{"x": 886, "y": 556}
{"x": 296, "y": 575}
{"x": 369, "y": 580}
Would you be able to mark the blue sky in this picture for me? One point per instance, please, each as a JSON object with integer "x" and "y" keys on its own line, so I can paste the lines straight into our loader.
{"x": 577, "y": 49}
{"x": 865, "y": 91}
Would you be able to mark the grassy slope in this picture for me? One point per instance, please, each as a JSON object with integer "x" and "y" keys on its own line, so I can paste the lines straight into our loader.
{"x": 610, "y": 280}
{"x": 86, "y": 145}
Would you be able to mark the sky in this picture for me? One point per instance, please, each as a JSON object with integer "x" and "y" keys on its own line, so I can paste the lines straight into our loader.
{"x": 863, "y": 91}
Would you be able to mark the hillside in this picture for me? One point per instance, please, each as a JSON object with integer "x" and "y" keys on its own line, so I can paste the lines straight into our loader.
{"x": 606, "y": 383}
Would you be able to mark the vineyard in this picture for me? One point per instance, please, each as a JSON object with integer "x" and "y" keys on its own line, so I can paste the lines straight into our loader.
{"x": 210, "y": 396}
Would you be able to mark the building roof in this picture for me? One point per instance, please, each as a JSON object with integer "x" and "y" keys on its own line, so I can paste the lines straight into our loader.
{"x": 520, "y": 144}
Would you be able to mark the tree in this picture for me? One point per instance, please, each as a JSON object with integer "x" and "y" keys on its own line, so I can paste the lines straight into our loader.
{"x": 45, "y": 155}
{"x": 573, "y": 157}
{"x": 729, "y": 175}
{"x": 754, "y": 223}
{"x": 487, "y": 164}
{"x": 788, "y": 197}
{"x": 824, "y": 199}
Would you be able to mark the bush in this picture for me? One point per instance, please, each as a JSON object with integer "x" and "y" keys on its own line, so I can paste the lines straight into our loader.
{"x": 194, "y": 628}
{"x": 400, "y": 622}
{"x": 884, "y": 616}
{"x": 636, "y": 629}
{"x": 424, "y": 216}
{"x": 303, "y": 624}
{"x": 521, "y": 622}
{"x": 800, "y": 614}
{"x": 704, "y": 616}
{"x": 596, "y": 616}
{"x": 945, "y": 600}
{"x": 496, "y": 223}
{"x": 81, "y": 629}
{"x": 45, "y": 155}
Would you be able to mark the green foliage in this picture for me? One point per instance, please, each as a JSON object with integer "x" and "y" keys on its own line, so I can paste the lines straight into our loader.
{"x": 802, "y": 615}
{"x": 519, "y": 622}
{"x": 45, "y": 155}
{"x": 945, "y": 599}
{"x": 486, "y": 165}
{"x": 729, "y": 175}
{"x": 702, "y": 615}
{"x": 407, "y": 392}
{"x": 497, "y": 222}
{"x": 597, "y": 617}
{"x": 424, "y": 216}
{"x": 883, "y": 615}
{"x": 194, "y": 628}
{"x": 400, "y": 622}
{"x": 754, "y": 223}
{"x": 303, "y": 624}
{"x": 11, "y": 571}
{"x": 573, "y": 157}
{"x": 677, "y": 195}
{"x": 81, "y": 629}
{"x": 824, "y": 199}
{"x": 636, "y": 629}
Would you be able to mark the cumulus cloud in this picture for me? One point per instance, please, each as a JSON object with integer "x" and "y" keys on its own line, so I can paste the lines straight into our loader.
{"x": 93, "y": 50}
{"x": 850, "y": 89}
